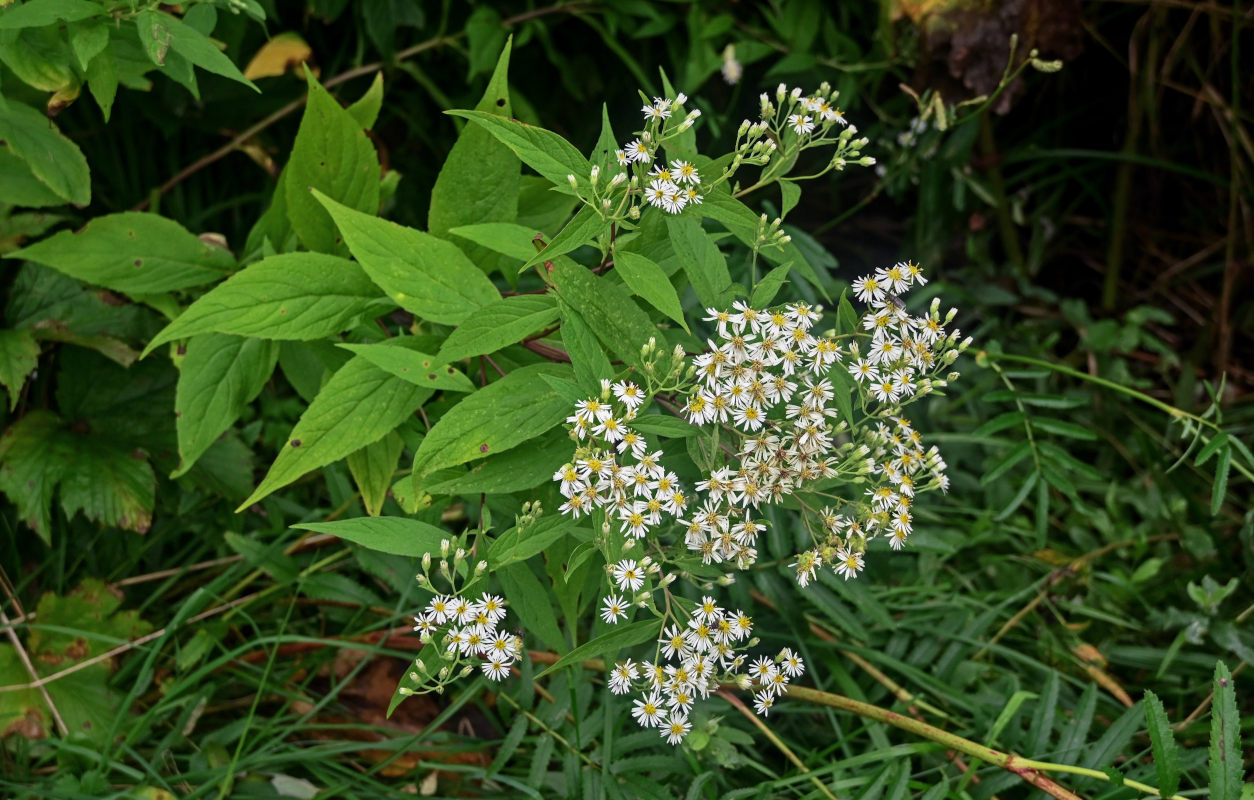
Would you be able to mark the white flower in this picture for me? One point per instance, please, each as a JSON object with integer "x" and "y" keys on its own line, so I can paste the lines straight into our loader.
{"x": 867, "y": 289}
{"x": 676, "y": 729}
{"x": 439, "y": 608}
{"x": 791, "y": 663}
{"x": 628, "y": 575}
{"x": 495, "y": 668}
{"x": 629, "y": 394}
{"x": 685, "y": 172}
{"x": 659, "y": 192}
{"x": 708, "y": 611}
{"x": 621, "y": 676}
{"x": 492, "y": 607}
{"x": 657, "y": 111}
{"x": 621, "y": 157}
{"x": 613, "y": 608}
{"x": 801, "y": 123}
{"x": 848, "y": 563}
{"x": 638, "y": 151}
{"x": 762, "y": 702}
{"x": 650, "y": 711}
{"x": 674, "y": 643}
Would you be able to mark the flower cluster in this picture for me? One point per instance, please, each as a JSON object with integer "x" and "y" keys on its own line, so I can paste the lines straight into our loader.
{"x": 670, "y": 187}
{"x": 812, "y": 119}
{"x": 472, "y": 631}
{"x": 696, "y": 658}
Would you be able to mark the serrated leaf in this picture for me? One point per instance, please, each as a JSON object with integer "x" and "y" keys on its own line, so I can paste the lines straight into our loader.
{"x": 53, "y": 158}
{"x": 87, "y": 40}
{"x": 1225, "y": 738}
{"x": 500, "y": 416}
{"x": 110, "y": 486}
{"x": 583, "y": 228}
{"x": 542, "y": 150}
{"x": 425, "y": 275}
{"x": 298, "y": 296}
{"x": 102, "y": 81}
{"x": 396, "y": 535}
{"x": 532, "y": 602}
{"x": 607, "y": 308}
{"x": 38, "y": 13}
{"x": 400, "y": 356}
{"x": 1163, "y": 742}
{"x": 133, "y": 253}
{"x": 764, "y": 293}
{"x": 218, "y": 377}
{"x": 620, "y": 637}
{"x": 479, "y": 180}
{"x": 332, "y": 155}
{"x": 499, "y": 324}
{"x": 34, "y": 456}
{"x": 19, "y": 353}
{"x": 647, "y": 279}
{"x": 587, "y": 356}
{"x": 373, "y": 467}
{"x": 358, "y": 405}
{"x": 999, "y": 423}
{"x": 702, "y": 261}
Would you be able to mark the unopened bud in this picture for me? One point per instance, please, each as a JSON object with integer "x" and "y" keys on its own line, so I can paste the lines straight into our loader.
{"x": 459, "y": 555}
{"x": 595, "y": 175}
{"x": 780, "y": 93}
{"x": 466, "y": 670}
{"x": 574, "y": 184}
{"x": 965, "y": 344}
{"x": 667, "y": 580}
{"x": 426, "y": 562}
{"x": 443, "y": 673}
{"x": 444, "y": 546}
{"x": 618, "y": 179}
{"x": 480, "y": 567}
{"x": 866, "y": 161}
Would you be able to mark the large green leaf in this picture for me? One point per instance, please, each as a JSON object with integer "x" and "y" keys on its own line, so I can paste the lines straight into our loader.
{"x": 21, "y": 187}
{"x": 133, "y": 253}
{"x": 19, "y": 353}
{"x": 506, "y": 238}
{"x": 332, "y": 155}
{"x": 582, "y": 229}
{"x": 373, "y": 467}
{"x": 502, "y": 415}
{"x": 479, "y": 179}
{"x": 38, "y": 13}
{"x": 54, "y": 159}
{"x": 358, "y": 405}
{"x": 542, "y": 150}
{"x": 608, "y": 309}
{"x": 292, "y": 296}
{"x": 587, "y": 356}
{"x": 646, "y": 278}
{"x": 218, "y": 377}
{"x": 703, "y": 263}
{"x": 401, "y": 357}
{"x": 499, "y": 324}
{"x": 511, "y": 471}
{"x": 423, "y": 274}
{"x": 171, "y": 33}
{"x": 395, "y": 535}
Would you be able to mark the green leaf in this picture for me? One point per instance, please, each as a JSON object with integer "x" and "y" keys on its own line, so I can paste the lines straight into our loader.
{"x": 511, "y": 471}
{"x": 399, "y": 357}
{"x": 299, "y": 296}
{"x": 1220, "y": 487}
{"x": 532, "y": 602}
{"x": 1163, "y": 742}
{"x": 1000, "y": 422}
{"x": 1216, "y": 442}
{"x": 544, "y": 151}
{"x": 764, "y": 293}
{"x": 34, "y": 456}
{"x": 365, "y": 109}
{"x": 396, "y": 535}
{"x": 132, "y": 253}
{"x": 702, "y": 262}
{"x": 502, "y": 415}
{"x": 845, "y": 314}
{"x": 102, "y": 80}
{"x": 608, "y": 643}
{"x": 332, "y": 155}
{"x": 479, "y": 180}
{"x": 38, "y": 13}
{"x": 844, "y": 392}
{"x": 358, "y": 405}
{"x": 1061, "y": 428}
{"x": 585, "y": 351}
{"x": 160, "y": 32}
{"x": 521, "y": 543}
{"x": 19, "y": 353}
{"x": 663, "y": 425}
{"x": 583, "y": 228}
{"x": 506, "y": 238}
{"x": 742, "y": 223}
{"x": 21, "y": 187}
{"x": 484, "y": 34}
{"x": 790, "y": 193}
{"x": 499, "y": 324}
{"x": 88, "y": 40}
{"x": 425, "y": 275}
{"x": 373, "y": 467}
{"x": 109, "y": 485}
{"x": 608, "y": 309}
{"x": 218, "y": 377}
{"x": 53, "y": 159}
{"x": 1225, "y": 738}
{"x": 647, "y": 279}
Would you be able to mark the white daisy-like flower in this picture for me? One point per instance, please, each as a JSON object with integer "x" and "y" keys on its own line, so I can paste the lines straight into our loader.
{"x": 492, "y": 606}
{"x": 685, "y": 172}
{"x": 628, "y": 575}
{"x": 613, "y": 608}
{"x": 658, "y": 193}
{"x": 495, "y": 668}
{"x": 657, "y": 111}
{"x": 629, "y": 394}
{"x": 439, "y": 608}
{"x": 762, "y": 702}
{"x": 791, "y": 663}
{"x": 801, "y": 123}
{"x": 848, "y": 563}
{"x": 676, "y": 729}
{"x": 638, "y": 151}
{"x": 621, "y": 676}
{"x": 621, "y": 157}
{"x": 650, "y": 712}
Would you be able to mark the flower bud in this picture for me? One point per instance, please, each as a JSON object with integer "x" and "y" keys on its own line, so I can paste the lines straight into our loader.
{"x": 618, "y": 179}
{"x": 480, "y": 567}
{"x": 426, "y": 562}
{"x": 466, "y": 670}
{"x": 743, "y": 129}
{"x": 780, "y": 93}
{"x": 965, "y": 344}
{"x": 459, "y": 555}
{"x": 442, "y": 674}
{"x": 867, "y": 161}
{"x": 595, "y": 175}
{"x": 953, "y": 312}
{"x": 422, "y": 579}
{"x": 574, "y": 184}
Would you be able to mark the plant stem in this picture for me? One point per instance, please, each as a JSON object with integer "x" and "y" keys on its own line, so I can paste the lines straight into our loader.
{"x": 775, "y": 740}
